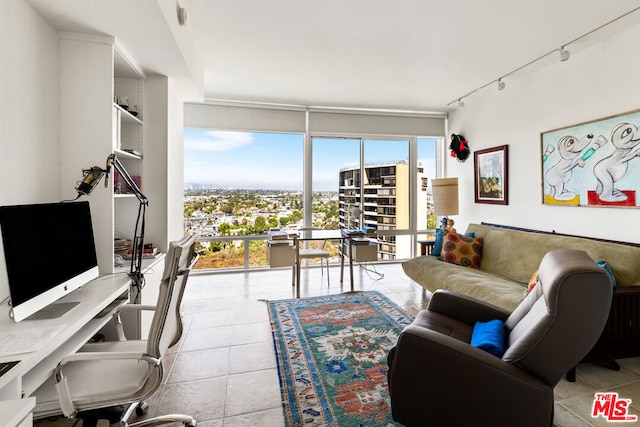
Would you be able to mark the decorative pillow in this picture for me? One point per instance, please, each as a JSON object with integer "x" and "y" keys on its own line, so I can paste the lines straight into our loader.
{"x": 489, "y": 336}
{"x": 533, "y": 281}
{"x": 437, "y": 246}
{"x": 606, "y": 268}
{"x": 462, "y": 250}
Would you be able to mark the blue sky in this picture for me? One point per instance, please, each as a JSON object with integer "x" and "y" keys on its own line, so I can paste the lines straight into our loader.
{"x": 254, "y": 160}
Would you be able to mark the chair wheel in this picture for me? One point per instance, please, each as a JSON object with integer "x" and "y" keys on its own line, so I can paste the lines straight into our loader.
{"x": 142, "y": 408}
{"x": 190, "y": 424}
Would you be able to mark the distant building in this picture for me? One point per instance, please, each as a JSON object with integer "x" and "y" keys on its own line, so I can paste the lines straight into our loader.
{"x": 385, "y": 205}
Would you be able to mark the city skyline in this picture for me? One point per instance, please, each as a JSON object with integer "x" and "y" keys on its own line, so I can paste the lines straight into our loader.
{"x": 220, "y": 159}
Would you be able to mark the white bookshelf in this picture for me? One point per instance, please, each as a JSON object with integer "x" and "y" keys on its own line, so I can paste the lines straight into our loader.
{"x": 96, "y": 72}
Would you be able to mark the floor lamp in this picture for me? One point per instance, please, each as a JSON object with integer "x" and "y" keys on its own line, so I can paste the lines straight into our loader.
{"x": 445, "y": 199}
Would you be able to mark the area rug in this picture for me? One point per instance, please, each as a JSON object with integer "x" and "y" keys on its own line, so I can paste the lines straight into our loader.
{"x": 331, "y": 353}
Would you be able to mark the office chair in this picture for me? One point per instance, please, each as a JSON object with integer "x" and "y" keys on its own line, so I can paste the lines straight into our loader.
{"x": 321, "y": 253}
{"x": 435, "y": 376}
{"x": 112, "y": 373}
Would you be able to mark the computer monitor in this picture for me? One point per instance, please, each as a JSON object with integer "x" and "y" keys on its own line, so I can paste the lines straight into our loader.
{"x": 49, "y": 251}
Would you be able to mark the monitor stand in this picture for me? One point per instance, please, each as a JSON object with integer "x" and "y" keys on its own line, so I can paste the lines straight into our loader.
{"x": 53, "y": 311}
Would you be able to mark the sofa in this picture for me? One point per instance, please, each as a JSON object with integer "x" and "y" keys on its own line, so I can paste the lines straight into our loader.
{"x": 510, "y": 257}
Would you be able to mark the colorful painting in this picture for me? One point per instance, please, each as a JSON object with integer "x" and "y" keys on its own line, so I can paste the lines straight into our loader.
{"x": 593, "y": 163}
{"x": 491, "y": 180}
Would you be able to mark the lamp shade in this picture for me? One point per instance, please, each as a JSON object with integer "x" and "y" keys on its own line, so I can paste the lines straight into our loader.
{"x": 445, "y": 196}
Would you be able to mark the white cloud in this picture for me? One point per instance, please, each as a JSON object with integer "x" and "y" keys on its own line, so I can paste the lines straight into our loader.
{"x": 219, "y": 141}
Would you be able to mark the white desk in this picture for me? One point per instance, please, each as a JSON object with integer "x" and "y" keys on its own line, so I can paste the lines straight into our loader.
{"x": 17, "y": 412}
{"x": 80, "y": 324}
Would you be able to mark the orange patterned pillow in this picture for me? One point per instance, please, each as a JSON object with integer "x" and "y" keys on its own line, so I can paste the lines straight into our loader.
{"x": 533, "y": 281}
{"x": 462, "y": 250}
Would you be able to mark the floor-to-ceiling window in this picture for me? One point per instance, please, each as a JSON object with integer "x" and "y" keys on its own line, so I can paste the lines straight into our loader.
{"x": 375, "y": 186}
{"x": 319, "y": 167}
{"x": 427, "y": 161}
{"x": 239, "y": 184}
{"x": 387, "y": 191}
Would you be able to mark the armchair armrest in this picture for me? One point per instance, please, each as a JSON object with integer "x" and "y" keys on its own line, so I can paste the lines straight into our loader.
{"x": 127, "y": 307}
{"x": 135, "y": 307}
{"x": 62, "y": 385}
{"x": 430, "y": 373}
{"x": 464, "y": 308}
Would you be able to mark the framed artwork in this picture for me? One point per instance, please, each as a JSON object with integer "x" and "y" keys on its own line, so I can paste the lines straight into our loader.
{"x": 491, "y": 179}
{"x": 594, "y": 163}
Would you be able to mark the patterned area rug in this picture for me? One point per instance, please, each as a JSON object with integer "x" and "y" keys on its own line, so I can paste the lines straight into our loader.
{"x": 331, "y": 353}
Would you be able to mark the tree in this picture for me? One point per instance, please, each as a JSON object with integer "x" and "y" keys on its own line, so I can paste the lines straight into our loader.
{"x": 260, "y": 224}
{"x": 223, "y": 229}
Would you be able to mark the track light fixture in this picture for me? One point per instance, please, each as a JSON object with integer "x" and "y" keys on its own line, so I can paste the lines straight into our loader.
{"x": 564, "y": 56}
{"x": 182, "y": 15}
{"x": 460, "y": 103}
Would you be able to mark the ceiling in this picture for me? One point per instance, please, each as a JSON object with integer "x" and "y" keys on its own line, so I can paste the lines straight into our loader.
{"x": 418, "y": 55}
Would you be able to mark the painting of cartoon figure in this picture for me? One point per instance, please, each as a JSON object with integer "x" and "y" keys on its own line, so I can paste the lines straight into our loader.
{"x": 570, "y": 150}
{"x": 626, "y": 141}
{"x": 593, "y": 163}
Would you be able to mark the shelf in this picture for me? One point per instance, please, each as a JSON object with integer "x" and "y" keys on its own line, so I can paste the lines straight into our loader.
{"x": 126, "y": 155}
{"x": 126, "y": 116}
{"x": 147, "y": 264}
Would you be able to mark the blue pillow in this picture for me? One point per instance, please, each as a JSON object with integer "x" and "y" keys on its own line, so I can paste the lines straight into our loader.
{"x": 606, "y": 268}
{"x": 489, "y": 336}
{"x": 437, "y": 246}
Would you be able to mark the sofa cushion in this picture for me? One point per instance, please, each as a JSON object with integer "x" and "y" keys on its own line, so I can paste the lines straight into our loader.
{"x": 462, "y": 250}
{"x": 514, "y": 254}
{"x": 434, "y": 274}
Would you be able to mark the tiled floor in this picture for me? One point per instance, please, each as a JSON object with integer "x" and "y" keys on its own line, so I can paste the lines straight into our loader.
{"x": 223, "y": 372}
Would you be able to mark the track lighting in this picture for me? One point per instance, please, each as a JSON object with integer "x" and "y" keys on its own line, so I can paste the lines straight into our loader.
{"x": 182, "y": 16}
{"x": 564, "y": 56}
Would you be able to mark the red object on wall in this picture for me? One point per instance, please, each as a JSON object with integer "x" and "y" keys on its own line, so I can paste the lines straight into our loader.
{"x": 594, "y": 199}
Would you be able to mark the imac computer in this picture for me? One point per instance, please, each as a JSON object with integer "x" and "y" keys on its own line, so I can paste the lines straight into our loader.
{"x": 49, "y": 251}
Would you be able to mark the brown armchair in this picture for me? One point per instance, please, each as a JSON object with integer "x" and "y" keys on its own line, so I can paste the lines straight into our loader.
{"x": 437, "y": 378}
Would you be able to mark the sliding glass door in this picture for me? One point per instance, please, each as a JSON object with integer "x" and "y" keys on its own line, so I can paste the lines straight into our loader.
{"x": 374, "y": 185}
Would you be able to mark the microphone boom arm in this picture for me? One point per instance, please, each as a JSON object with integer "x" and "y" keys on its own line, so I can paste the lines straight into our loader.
{"x": 135, "y": 271}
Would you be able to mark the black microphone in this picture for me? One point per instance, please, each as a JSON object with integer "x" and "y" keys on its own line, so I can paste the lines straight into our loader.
{"x": 90, "y": 180}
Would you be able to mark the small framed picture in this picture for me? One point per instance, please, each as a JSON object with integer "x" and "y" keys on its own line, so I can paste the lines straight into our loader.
{"x": 491, "y": 175}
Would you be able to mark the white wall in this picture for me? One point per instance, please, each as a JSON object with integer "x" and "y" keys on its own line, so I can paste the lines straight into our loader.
{"x": 29, "y": 106}
{"x": 175, "y": 167}
{"x": 164, "y": 164}
{"x": 601, "y": 81}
